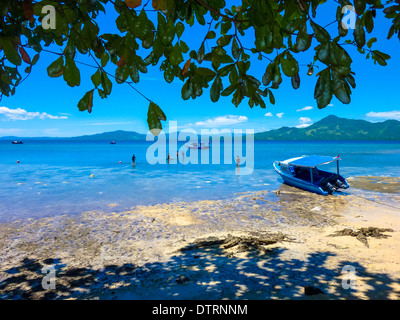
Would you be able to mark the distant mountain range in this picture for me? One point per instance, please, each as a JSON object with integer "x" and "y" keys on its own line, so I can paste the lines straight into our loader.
{"x": 329, "y": 128}
{"x": 114, "y": 136}
{"x": 105, "y": 136}
{"x": 335, "y": 128}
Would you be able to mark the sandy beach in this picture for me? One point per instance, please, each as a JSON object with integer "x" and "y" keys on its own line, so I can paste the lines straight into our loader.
{"x": 270, "y": 244}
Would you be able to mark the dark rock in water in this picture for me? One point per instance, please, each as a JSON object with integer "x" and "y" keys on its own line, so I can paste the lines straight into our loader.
{"x": 182, "y": 279}
{"x": 310, "y": 291}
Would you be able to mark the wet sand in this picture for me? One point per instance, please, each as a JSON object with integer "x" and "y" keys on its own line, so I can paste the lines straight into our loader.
{"x": 275, "y": 244}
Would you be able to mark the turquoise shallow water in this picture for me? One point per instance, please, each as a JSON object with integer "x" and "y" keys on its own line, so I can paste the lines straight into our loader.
{"x": 54, "y": 177}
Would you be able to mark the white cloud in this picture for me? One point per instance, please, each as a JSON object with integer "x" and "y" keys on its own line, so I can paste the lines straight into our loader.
{"x": 330, "y": 105}
{"x": 395, "y": 114}
{"x": 221, "y": 121}
{"x": 304, "y": 122}
{"x": 22, "y": 114}
{"x": 268, "y": 114}
{"x": 305, "y": 108}
{"x": 279, "y": 115}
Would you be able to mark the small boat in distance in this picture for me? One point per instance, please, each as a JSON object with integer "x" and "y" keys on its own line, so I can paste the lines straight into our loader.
{"x": 196, "y": 145}
{"x": 16, "y": 142}
{"x": 302, "y": 172}
{"x": 112, "y": 142}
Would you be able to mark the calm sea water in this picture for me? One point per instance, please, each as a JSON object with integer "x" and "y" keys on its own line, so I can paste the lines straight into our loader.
{"x": 70, "y": 177}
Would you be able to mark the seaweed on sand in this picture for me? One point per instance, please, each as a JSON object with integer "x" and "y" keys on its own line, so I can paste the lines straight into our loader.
{"x": 362, "y": 233}
{"x": 241, "y": 243}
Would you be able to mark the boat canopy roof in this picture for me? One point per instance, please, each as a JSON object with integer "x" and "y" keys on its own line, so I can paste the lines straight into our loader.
{"x": 310, "y": 161}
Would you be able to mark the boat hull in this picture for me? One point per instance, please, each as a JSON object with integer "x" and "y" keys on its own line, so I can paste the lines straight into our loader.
{"x": 301, "y": 184}
{"x": 198, "y": 148}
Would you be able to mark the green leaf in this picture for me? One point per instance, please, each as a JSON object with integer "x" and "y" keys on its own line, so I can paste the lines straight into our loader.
{"x": 343, "y": 70}
{"x": 225, "y": 70}
{"x": 369, "y": 21}
{"x": 211, "y": 35}
{"x": 342, "y": 31}
{"x": 296, "y": 81}
{"x": 71, "y": 73}
{"x": 360, "y": 6}
{"x": 359, "y": 33}
{"x": 250, "y": 87}
{"x": 267, "y": 77}
{"x": 186, "y": 90}
{"x": 381, "y": 57}
{"x": 35, "y": 59}
{"x": 228, "y": 91}
{"x": 324, "y": 53}
{"x": 225, "y": 27}
{"x": 200, "y": 53}
{"x": 104, "y": 59}
{"x": 154, "y": 117}
{"x": 289, "y": 65}
{"x": 205, "y": 72}
{"x": 371, "y": 42}
{"x": 122, "y": 73}
{"x": 106, "y": 83}
{"x": 350, "y": 79}
{"x": 56, "y": 68}
{"x": 381, "y": 54}
{"x": 141, "y": 26}
{"x": 134, "y": 73}
{"x": 216, "y": 89}
{"x": 277, "y": 78}
{"x": 271, "y": 97}
{"x": 323, "y": 90}
{"x": 303, "y": 41}
{"x": 320, "y": 33}
{"x": 340, "y": 88}
{"x": 96, "y": 78}
{"x": 86, "y": 103}
{"x": 179, "y": 29}
{"x": 101, "y": 93}
{"x": 10, "y": 52}
{"x": 235, "y": 50}
{"x": 341, "y": 56}
{"x": 168, "y": 33}
{"x": 237, "y": 97}
{"x": 233, "y": 76}
{"x": 224, "y": 40}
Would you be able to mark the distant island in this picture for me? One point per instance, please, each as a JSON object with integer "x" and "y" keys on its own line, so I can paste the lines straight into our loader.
{"x": 328, "y": 128}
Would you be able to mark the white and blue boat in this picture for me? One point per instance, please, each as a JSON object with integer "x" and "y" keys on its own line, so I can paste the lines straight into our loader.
{"x": 302, "y": 172}
{"x": 196, "y": 145}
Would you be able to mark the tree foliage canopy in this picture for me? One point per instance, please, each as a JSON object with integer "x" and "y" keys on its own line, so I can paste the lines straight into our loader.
{"x": 282, "y": 30}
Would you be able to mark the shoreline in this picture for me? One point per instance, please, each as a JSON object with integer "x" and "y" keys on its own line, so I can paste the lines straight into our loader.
{"x": 256, "y": 245}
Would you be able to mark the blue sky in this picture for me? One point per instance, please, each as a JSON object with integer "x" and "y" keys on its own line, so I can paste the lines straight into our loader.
{"x": 44, "y": 106}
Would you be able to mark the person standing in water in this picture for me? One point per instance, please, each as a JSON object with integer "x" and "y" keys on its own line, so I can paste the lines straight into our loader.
{"x": 133, "y": 159}
{"x": 237, "y": 161}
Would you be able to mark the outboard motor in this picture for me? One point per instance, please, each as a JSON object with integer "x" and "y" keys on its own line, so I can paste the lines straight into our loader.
{"x": 335, "y": 181}
{"x": 329, "y": 188}
{"x": 339, "y": 184}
